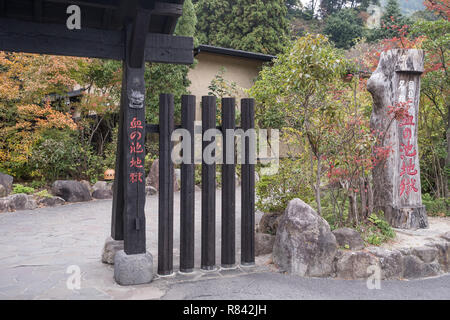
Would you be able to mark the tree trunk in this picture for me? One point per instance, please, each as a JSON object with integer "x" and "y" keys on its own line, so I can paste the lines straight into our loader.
{"x": 319, "y": 207}
{"x": 363, "y": 193}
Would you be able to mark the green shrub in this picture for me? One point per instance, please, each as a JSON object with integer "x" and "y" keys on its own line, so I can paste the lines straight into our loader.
{"x": 436, "y": 207}
{"x": 43, "y": 194}
{"x": 18, "y": 188}
{"x": 378, "y": 230}
{"x": 275, "y": 191}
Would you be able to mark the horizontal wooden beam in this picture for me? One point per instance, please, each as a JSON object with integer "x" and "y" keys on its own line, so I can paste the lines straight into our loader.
{"x": 168, "y": 9}
{"x": 110, "y": 4}
{"x": 54, "y": 39}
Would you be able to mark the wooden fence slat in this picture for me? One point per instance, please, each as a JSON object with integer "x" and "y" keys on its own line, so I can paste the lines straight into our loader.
{"x": 228, "y": 245}
{"x": 165, "y": 206}
{"x": 247, "y": 188}
{"x": 208, "y": 243}
{"x": 187, "y": 194}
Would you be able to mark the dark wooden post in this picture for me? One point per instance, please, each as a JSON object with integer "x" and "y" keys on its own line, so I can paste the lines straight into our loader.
{"x": 187, "y": 196}
{"x": 208, "y": 259}
{"x": 165, "y": 221}
{"x": 248, "y": 187}
{"x": 133, "y": 141}
{"x": 228, "y": 253}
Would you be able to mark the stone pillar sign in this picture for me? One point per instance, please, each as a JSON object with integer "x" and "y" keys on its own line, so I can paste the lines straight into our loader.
{"x": 397, "y": 191}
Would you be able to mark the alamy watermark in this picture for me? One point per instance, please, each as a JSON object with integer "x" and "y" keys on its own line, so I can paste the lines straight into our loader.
{"x": 74, "y": 280}
{"x": 257, "y": 149}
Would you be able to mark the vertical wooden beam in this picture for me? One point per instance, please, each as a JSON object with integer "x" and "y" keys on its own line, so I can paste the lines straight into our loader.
{"x": 119, "y": 178}
{"x": 37, "y": 10}
{"x": 2, "y": 7}
{"x": 187, "y": 196}
{"x": 134, "y": 140}
{"x": 228, "y": 252}
{"x": 165, "y": 221}
{"x": 208, "y": 257}
{"x": 248, "y": 187}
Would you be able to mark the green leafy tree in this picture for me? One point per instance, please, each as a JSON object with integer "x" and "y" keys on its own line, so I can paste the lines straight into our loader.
{"x": 391, "y": 20}
{"x": 259, "y": 26}
{"x": 293, "y": 94}
{"x": 344, "y": 27}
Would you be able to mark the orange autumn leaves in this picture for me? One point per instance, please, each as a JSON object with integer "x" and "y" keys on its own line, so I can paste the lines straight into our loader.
{"x": 25, "y": 81}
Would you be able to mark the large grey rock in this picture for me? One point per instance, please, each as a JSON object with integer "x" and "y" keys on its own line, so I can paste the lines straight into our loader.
{"x": 397, "y": 186}
{"x": 426, "y": 253}
{"x": 102, "y": 190}
{"x": 443, "y": 255}
{"x": 71, "y": 191}
{"x": 133, "y": 269}
{"x": 269, "y": 222}
{"x": 354, "y": 265}
{"x": 4, "y": 205}
{"x": 110, "y": 249}
{"x": 263, "y": 243}
{"x": 349, "y": 237}
{"x": 414, "y": 268}
{"x": 3, "y": 192}
{"x": 22, "y": 201}
{"x": 51, "y": 201}
{"x": 153, "y": 177}
{"x": 304, "y": 244}
{"x": 6, "y": 181}
{"x": 391, "y": 262}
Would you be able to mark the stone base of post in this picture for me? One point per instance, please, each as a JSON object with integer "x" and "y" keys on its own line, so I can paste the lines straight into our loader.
{"x": 133, "y": 269}
{"x": 110, "y": 249}
{"x": 407, "y": 218}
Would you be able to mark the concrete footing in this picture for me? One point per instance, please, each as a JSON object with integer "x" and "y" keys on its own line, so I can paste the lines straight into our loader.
{"x": 133, "y": 269}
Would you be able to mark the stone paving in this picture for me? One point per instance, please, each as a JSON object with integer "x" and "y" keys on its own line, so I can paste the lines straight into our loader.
{"x": 38, "y": 246}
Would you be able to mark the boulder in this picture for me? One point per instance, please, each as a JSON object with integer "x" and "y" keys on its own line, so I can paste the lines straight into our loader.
{"x": 51, "y": 201}
{"x": 4, "y": 205}
{"x": 21, "y": 201}
{"x": 87, "y": 184}
{"x": 426, "y": 253}
{"x": 354, "y": 265}
{"x": 263, "y": 243}
{"x": 153, "y": 177}
{"x": 349, "y": 237}
{"x": 391, "y": 262}
{"x": 110, "y": 249}
{"x": 414, "y": 268}
{"x": 6, "y": 182}
{"x": 102, "y": 190}
{"x": 269, "y": 222}
{"x": 3, "y": 192}
{"x": 443, "y": 255}
{"x": 71, "y": 191}
{"x": 304, "y": 244}
{"x": 149, "y": 190}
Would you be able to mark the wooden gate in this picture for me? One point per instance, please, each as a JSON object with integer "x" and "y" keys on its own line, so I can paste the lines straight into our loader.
{"x": 136, "y": 244}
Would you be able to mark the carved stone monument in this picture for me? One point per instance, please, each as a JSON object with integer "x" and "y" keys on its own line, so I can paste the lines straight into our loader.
{"x": 397, "y": 189}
